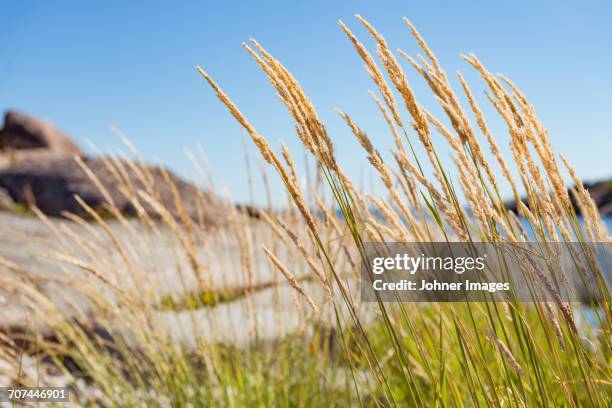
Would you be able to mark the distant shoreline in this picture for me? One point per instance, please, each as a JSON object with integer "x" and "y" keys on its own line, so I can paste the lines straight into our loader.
{"x": 601, "y": 192}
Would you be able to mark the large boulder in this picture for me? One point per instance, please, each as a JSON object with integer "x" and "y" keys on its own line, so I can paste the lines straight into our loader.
{"x": 52, "y": 182}
{"x": 26, "y": 134}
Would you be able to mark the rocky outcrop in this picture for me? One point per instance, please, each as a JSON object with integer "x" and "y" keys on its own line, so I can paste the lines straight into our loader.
{"x": 600, "y": 191}
{"x": 51, "y": 183}
{"x": 27, "y": 135}
{"x": 602, "y": 195}
{"x": 38, "y": 167}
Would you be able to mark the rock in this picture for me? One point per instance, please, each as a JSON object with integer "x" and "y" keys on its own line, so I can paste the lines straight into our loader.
{"x": 50, "y": 182}
{"x": 600, "y": 191}
{"x": 602, "y": 195}
{"x": 249, "y": 210}
{"x": 27, "y": 134}
{"x": 6, "y": 201}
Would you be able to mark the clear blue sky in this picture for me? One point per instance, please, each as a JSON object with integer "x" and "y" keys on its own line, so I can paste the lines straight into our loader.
{"x": 87, "y": 66}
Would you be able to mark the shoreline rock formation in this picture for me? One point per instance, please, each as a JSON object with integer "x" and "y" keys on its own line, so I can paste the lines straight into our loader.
{"x": 600, "y": 191}
{"x": 51, "y": 183}
{"x": 26, "y": 135}
{"x": 40, "y": 168}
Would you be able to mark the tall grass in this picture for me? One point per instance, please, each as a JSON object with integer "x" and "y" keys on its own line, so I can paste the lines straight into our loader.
{"x": 327, "y": 348}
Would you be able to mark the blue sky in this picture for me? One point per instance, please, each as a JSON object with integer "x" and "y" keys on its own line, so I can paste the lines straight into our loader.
{"x": 86, "y": 66}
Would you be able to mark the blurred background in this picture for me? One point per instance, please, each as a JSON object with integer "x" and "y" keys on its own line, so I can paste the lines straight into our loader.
{"x": 86, "y": 67}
